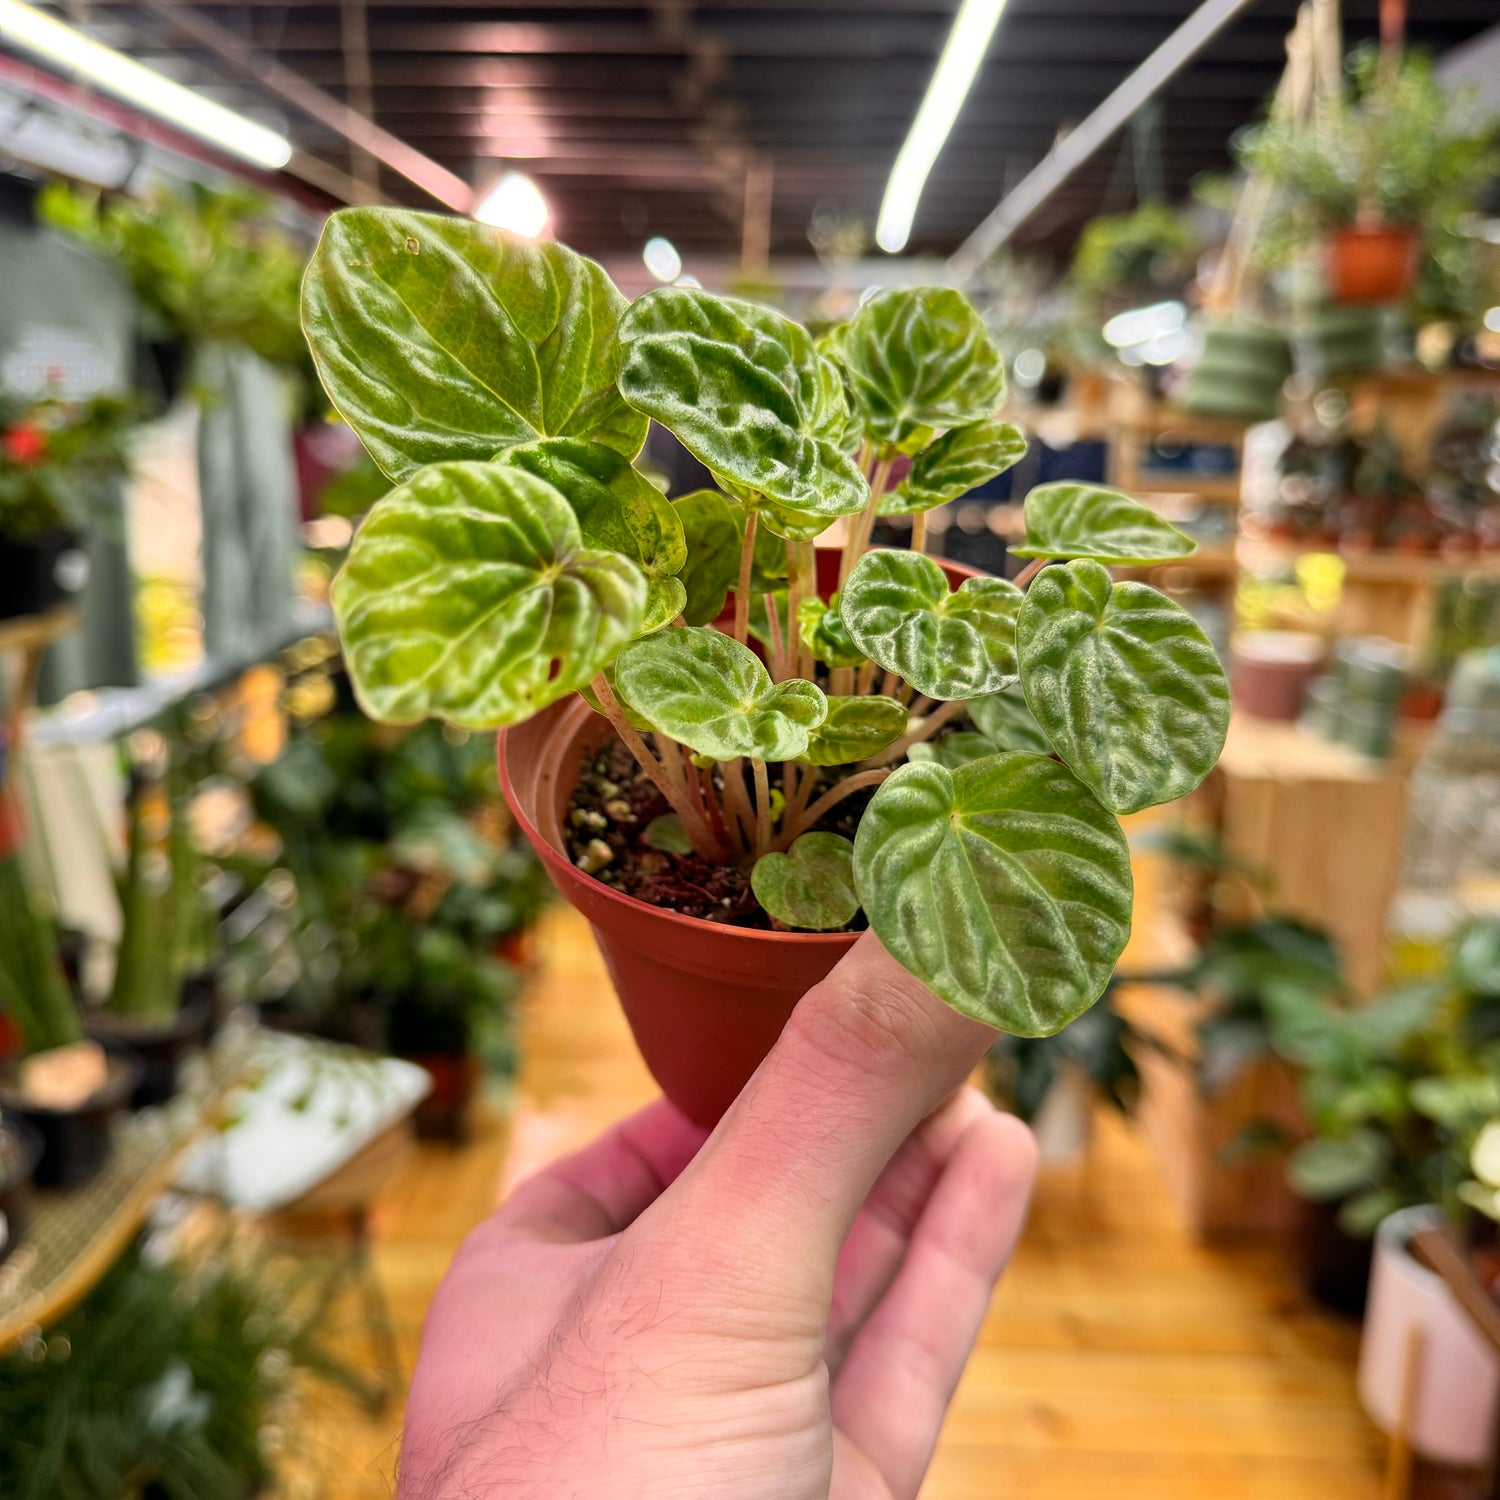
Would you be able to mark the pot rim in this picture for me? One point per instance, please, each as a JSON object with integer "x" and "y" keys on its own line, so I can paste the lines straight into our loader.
{"x": 125, "y": 1071}
{"x": 632, "y": 904}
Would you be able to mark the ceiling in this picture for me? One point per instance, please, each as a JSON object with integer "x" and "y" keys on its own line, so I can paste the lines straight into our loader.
{"x": 659, "y": 118}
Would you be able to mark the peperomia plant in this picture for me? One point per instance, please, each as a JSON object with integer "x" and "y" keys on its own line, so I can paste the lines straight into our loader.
{"x": 505, "y": 386}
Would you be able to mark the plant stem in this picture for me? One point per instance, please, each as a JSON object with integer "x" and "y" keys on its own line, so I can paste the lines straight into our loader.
{"x": 888, "y": 685}
{"x": 866, "y": 679}
{"x": 924, "y": 731}
{"x": 795, "y": 803}
{"x": 919, "y": 531}
{"x": 794, "y": 597}
{"x": 779, "y": 672}
{"x": 807, "y": 581}
{"x": 863, "y": 524}
{"x": 792, "y": 830}
{"x": 1030, "y": 571}
{"x": 762, "y": 807}
{"x": 742, "y": 592}
{"x": 693, "y": 824}
{"x": 736, "y": 803}
{"x": 841, "y": 682}
{"x": 703, "y": 786}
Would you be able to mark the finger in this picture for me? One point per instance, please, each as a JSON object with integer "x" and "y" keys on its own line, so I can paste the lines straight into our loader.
{"x": 865, "y": 1056}
{"x": 599, "y": 1190}
{"x": 893, "y": 1392}
{"x": 876, "y": 1245}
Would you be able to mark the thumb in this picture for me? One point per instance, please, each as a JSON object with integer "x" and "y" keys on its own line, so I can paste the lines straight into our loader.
{"x": 865, "y": 1057}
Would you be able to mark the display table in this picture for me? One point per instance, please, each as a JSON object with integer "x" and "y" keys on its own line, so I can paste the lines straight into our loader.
{"x": 75, "y": 1236}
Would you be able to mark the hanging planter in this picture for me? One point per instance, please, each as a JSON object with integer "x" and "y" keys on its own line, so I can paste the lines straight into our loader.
{"x": 1371, "y": 263}
{"x": 1240, "y": 372}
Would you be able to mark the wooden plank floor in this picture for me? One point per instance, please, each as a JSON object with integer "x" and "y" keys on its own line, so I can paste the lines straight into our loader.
{"x": 1119, "y": 1359}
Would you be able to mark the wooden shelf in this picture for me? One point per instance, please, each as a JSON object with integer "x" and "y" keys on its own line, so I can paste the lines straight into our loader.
{"x": 1398, "y": 568}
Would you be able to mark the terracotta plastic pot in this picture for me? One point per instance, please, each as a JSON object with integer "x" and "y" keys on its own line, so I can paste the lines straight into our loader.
{"x": 705, "y": 1001}
{"x": 1370, "y": 263}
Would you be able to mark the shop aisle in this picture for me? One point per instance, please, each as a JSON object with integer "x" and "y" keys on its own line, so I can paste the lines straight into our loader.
{"x": 1118, "y": 1358}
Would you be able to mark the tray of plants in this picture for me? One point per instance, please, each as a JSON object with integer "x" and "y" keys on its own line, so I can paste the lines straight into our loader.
{"x": 866, "y": 739}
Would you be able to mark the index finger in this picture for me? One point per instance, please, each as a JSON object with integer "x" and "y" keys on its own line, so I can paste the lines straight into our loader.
{"x": 865, "y": 1057}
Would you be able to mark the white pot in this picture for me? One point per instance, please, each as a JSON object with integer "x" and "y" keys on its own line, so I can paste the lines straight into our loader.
{"x": 1457, "y": 1371}
{"x": 1065, "y": 1122}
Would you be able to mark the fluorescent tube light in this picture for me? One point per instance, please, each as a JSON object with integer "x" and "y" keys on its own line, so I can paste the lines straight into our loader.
{"x": 515, "y": 203}
{"x": 112, "y": 71}
{"x": 967, "y": 43}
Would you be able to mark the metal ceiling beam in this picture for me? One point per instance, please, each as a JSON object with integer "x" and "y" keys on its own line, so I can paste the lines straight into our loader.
{"x": 1078, "y": 145}
{"x": 435, "y": 180}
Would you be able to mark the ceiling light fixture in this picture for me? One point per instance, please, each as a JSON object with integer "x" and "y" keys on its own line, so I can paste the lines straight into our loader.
{"x": 515, "y": 203}
{"x": 967, "y": 43}
{"x": 112, "y": 71}
{"x": 662, "y": 259}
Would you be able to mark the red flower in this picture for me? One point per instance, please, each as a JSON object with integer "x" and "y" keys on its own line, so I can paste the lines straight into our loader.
{"x": 25, "y": 443}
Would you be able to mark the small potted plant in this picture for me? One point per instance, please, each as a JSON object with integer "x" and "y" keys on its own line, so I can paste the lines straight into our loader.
{"x": 164, "y": 995}
{"x": 57, "y": 461}
{"x": 522, "y": 574}
{"x": 1367, "y": 174}
{"x": 67, "y": 1088}
{"x": 1138, "y": 256}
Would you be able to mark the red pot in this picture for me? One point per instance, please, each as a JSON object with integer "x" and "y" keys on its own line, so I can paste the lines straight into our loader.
{"x": 705, "y": 1001}
{"x": 1370, "y": 262}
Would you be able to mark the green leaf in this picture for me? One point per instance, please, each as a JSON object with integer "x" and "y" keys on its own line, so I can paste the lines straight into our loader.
{"x": 899, "y": 611}
{"x": 1004, "y": 718}
{"x": 1328, "y": 1168}
{"x": 468, "y": 595}
{"x": 618, "y": 510}
{"x": 439, "y": 338}
{"x": 830, "y": 344}
{"x": 1068, "y": 519}
{"x": 1124, "y": 684}
{"x": 854, "y": 729}
{"x": 824, "y": 633}
{"x": 919, "y": 358}
{"x": 714, "y": 695}
{"x": 959, "y": 461}
{"x": 1003, "y": 885}
{"x": 953, "y": 750}
{"x": 714, "y": 537}
{"x": 743, "y": 389}
{"x": 667, "y": 834}
{"x": 810, "y": 886}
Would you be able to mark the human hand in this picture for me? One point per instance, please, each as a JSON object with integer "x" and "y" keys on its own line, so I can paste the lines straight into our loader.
{"x": 780, "y": 1309}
